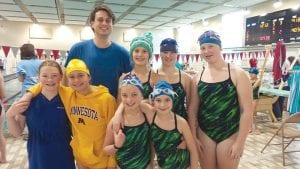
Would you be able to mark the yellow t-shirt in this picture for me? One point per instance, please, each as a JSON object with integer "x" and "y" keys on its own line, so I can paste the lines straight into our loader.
{"x": 89, "y": 116}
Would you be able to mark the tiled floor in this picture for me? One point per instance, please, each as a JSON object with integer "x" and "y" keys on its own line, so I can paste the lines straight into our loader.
{"x": 252, "y": 158}
{"x": 271, "y": 158}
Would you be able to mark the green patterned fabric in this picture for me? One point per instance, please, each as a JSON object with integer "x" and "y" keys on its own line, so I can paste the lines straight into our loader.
{"x": 165, "y": 144}
{"x": 255, "y": 92}
{"x": 147, "y": 90}
{"x": 136, "y": 151}
{"x": 179, "y": 101}
{"x": 219, "y": 111}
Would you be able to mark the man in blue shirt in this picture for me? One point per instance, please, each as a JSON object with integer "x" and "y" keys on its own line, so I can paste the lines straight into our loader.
{"x": 28, "y": 67}
{"x": 105, "y": 59}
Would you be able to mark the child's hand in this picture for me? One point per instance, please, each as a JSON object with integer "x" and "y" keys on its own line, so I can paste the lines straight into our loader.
{"x": 117, "y": 123}
{"x": 17, "y": 108}
{"x": 236, "y": 151}
{"x": 119, "y": 138}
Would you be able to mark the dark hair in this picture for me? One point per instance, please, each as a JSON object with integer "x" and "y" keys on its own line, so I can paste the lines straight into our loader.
{"x": 51, "y": 63}
{"x": 102, "y": 8}
{"x": 27, "y": 51}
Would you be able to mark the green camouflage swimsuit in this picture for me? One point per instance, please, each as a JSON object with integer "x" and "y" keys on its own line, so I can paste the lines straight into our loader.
{"x": 147, "y": 87}
{"x": 255, "y": 92}
{"x": 179, "y": 101}
{"x": 219, "y": 111}
{"x": 165, "y": 144}
{"x": 136, "y": 151}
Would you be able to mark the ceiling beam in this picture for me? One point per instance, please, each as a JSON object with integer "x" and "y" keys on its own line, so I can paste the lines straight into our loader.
{"x": 25, "y": 10}
{"x": 60, "y": 11}
{"x": 160, "y": 12}
{"x": 133, "y": 7}
{"x": 186, "y": 16}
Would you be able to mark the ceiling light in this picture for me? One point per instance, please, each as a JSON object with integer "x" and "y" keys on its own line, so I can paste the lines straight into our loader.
{"x": 228, "y": 5}
{"x": 295, "y": 8}
{"x": 129, "y": 34}
{"x": 263, "y": 14}
{"x": 277, "y": 4}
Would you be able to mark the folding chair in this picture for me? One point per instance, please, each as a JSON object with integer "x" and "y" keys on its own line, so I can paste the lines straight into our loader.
{"x": 265, "y": 105}
{"x": 287, "y": 135}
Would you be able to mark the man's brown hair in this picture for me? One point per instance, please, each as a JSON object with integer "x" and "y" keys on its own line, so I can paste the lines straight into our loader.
{"x": 27, "y": 51}
{"x": 102, "y": 8}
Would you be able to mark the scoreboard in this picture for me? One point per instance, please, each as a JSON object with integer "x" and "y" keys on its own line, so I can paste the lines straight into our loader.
{"x": 281, "y": 25}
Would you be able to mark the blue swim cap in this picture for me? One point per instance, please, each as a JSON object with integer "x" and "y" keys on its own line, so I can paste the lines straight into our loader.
{"x": 162, "y": 88}
{"x": 210, "y": 37}
{"x": 253, "y": 70}
{"x": 132, "y": 79}
{"x": 169, "y": 45}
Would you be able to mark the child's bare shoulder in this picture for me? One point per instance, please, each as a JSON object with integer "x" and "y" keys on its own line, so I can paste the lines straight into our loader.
{"x": 181, "y": 123}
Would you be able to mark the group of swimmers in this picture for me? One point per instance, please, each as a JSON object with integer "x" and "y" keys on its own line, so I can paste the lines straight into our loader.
{"x": 183, "y": 120}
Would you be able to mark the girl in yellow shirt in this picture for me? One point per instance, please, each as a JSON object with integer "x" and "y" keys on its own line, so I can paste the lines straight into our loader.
{"x": 89, "y": 109}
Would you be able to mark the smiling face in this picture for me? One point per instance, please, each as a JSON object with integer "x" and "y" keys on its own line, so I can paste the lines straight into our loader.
{"x": 168, "y": 58}
{"x": 140, "y": 56}
{"x": 131, "y": 96}
{"x": 49, "y": 77}
{"x": 79, "y": 81}
{"x": 102, "y": 24}
{"x": 210, "y": 52}
{"x": 163, "y": 103}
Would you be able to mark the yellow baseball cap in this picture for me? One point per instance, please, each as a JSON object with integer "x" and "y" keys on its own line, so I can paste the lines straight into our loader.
{"x": 76, "y": 64}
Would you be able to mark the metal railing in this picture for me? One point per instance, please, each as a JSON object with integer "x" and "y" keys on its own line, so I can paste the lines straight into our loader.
{"x": 6, "y": 79}
{"x": 10, "y": 77}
